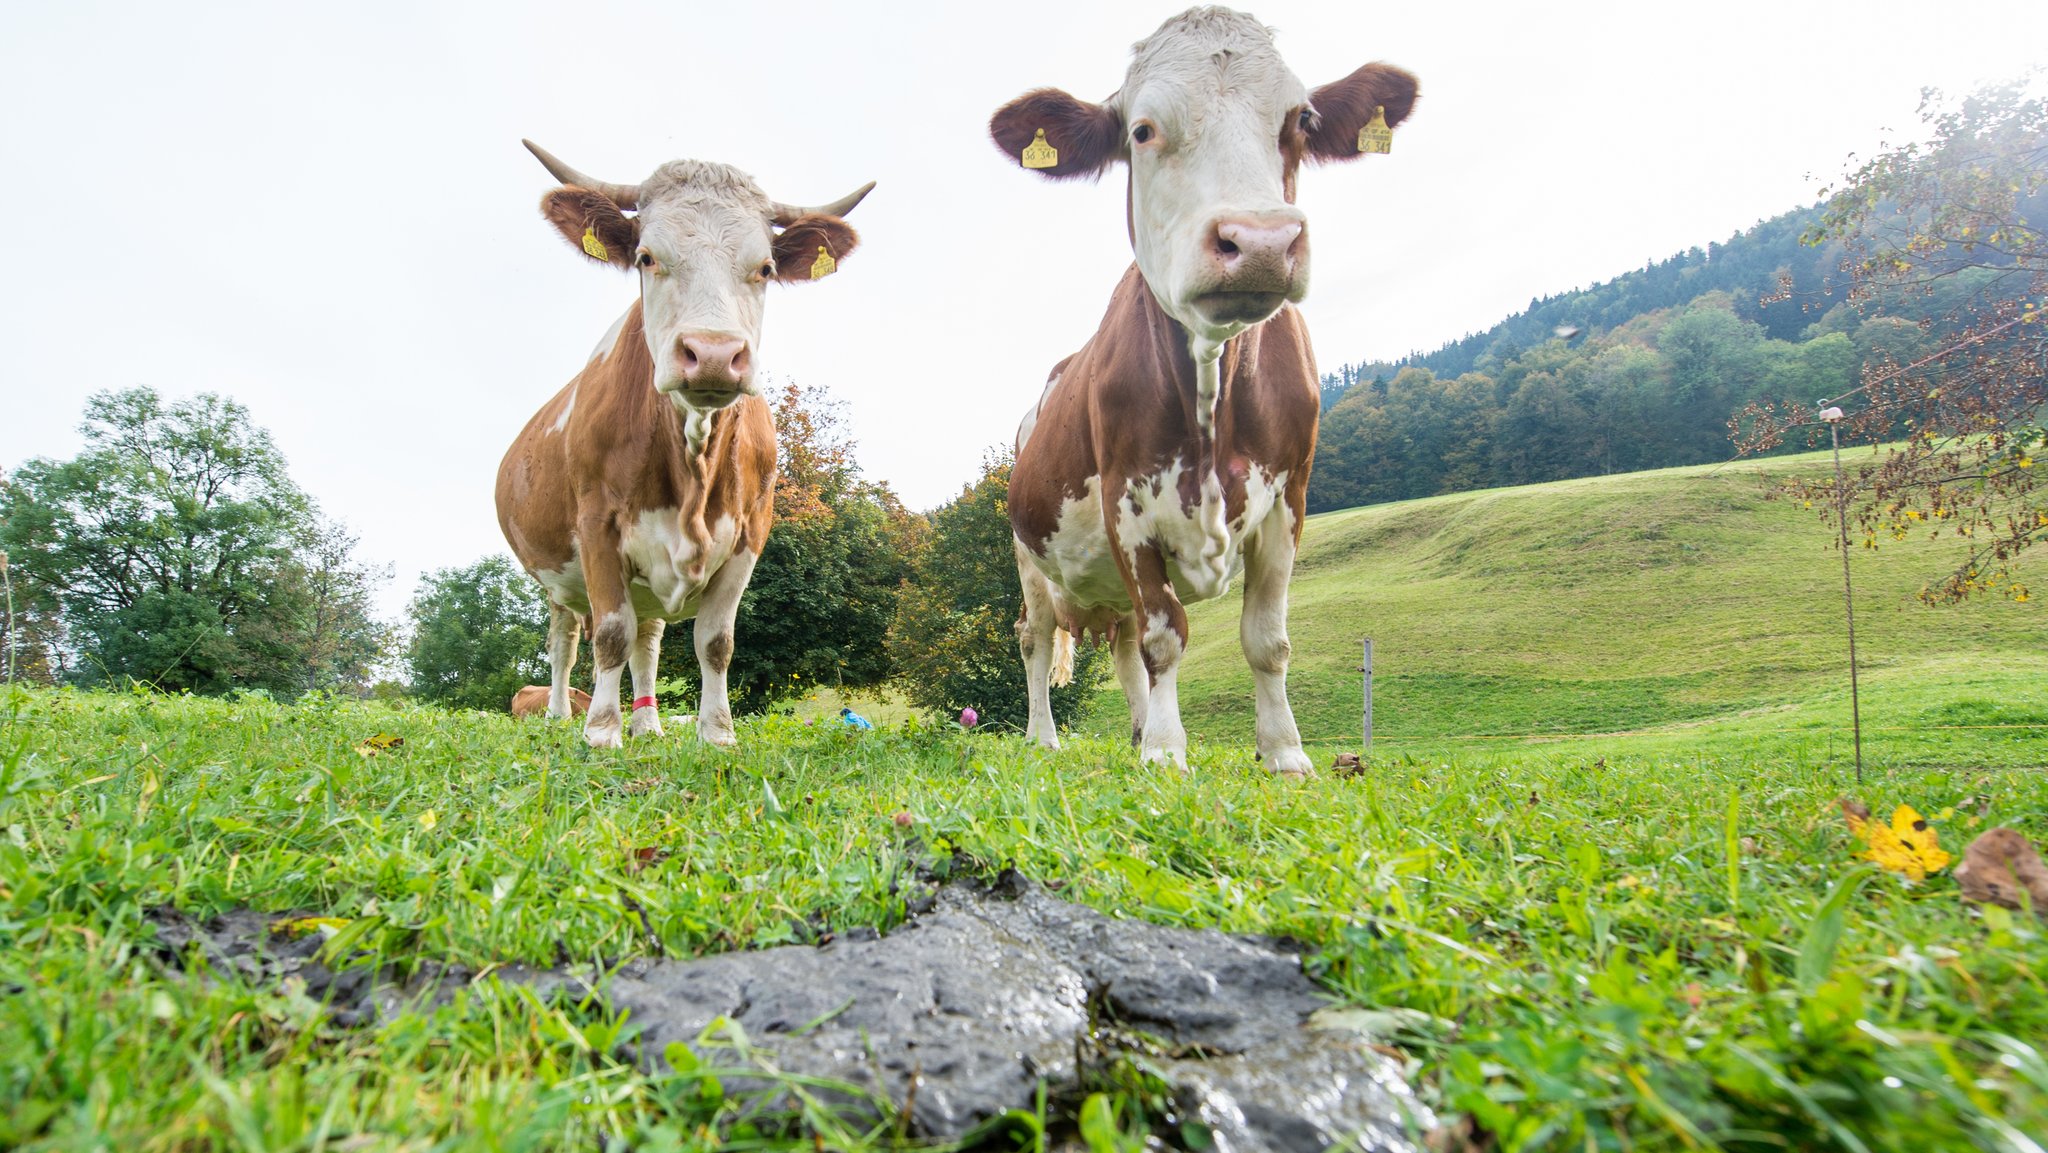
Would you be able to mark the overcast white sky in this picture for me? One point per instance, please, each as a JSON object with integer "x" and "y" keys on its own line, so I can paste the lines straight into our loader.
{"x": 324, "y": 210}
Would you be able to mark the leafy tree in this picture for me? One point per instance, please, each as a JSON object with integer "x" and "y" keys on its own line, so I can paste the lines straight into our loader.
{"x": 824, "y": 590}
{"x": 176, "y": 551}
{"x": 479, "y": 634}
{"x": 1958, "y": 222}
{"x": 955, "y": 638}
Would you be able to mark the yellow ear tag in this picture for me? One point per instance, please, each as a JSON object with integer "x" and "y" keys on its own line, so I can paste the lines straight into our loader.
{"x": 823, "y": 266}
{"x": 1039, "y": 154}
{"x": 594, "y": 246}
{"x": 1376, "y": 136}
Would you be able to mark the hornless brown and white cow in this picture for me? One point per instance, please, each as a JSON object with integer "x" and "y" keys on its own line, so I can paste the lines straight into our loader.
{"x": 1171, "y": 453}
{"x": 641, "y": 494}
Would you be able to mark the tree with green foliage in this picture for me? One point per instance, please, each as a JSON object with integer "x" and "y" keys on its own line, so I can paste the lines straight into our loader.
{"x": 818, "y": 608}
{"x": 954, "y": 640}
{"x": 178, "y": 553}
{"x": 479, "y": 633}
{"x": 1956, "y": 223}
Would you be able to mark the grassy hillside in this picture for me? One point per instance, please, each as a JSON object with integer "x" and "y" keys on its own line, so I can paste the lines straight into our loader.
{"x": 1614, "y": 604}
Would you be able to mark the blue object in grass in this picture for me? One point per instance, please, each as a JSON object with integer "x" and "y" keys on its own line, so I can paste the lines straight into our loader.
{"x": 855, "y": 719}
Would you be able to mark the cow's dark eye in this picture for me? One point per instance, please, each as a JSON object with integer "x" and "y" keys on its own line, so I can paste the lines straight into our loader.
{"x": 646, "y": 259}
{"x": 1141, "y": 133}
{"x": 1307, "y": 115}
{"x": 768, "y": 270}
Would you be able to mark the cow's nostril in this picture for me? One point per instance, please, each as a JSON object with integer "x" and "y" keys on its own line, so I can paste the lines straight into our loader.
{"x": 689, "y": 355}
{"x": 739, "y": 362}
{"x": 1225, "y": 247}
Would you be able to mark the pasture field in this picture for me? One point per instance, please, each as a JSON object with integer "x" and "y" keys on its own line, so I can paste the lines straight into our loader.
{"x": 1594, "y": 882}
{"x": 1667, "y": 945}
{"x": 1607, "y": 604}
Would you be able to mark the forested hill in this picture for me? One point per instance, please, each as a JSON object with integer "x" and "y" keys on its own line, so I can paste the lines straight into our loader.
{"x": 1652, "y": 367}
{"x": 1749, "y": 266}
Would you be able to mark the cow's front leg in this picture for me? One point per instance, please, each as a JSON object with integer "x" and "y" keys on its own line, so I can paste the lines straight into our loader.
{"x": 1269, "y": 564}
{"x": 1162, "y": 640}
{"x": 715, "y": 613}
{"x": 611, "y": 614}
{"x": 565, "y": 631}
{"x": 1130, "y": 672}
{"x": 1035, "y": 628}
{"x": 646, "y": 658}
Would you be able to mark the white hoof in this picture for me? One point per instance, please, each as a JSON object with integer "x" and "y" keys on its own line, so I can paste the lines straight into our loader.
{"x": 1176, "y": 758}
{"x": 646, "y": 723}
{"x": 1290, "y": 762}
{"x": 714, "y": 734}
{"x": 603, "y": 735}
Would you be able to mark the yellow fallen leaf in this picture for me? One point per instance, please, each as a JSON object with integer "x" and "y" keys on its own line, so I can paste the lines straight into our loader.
{"x": 1907, "y": 845}
{"x": 428, "y": 820}
{"x": 381, "y": 743}
{"x": 300, "y": 926}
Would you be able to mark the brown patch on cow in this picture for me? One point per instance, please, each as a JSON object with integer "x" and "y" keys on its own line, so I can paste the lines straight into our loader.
{"x": 1342, "y": 107}
{"x": 1089, "y": 137}
{"x": 718, "y": 652}
{"x": 796, "y": 247}
{"x": 574, "y": 210}
{"x": 532, "y": 701}
{"x": 612, "y": 642}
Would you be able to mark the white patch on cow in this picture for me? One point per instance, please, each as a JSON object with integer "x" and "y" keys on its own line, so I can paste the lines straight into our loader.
{"x": 1208, "y": 382}
{"x": 1262, "y": 630}
{"x": 568, "y": 406}
{"x": 1164, "y": 739}
{"x": 1076, "y": 557}
{"x": 666, "y": 570}
{"x": 696, "y": 429}
{"x": 602, "y": 726}
{"x": 1031, "y": 418}
{"x": 1203, "y": 552}
{"x": 610, "y": 339}
{"x": 564, "y": 585}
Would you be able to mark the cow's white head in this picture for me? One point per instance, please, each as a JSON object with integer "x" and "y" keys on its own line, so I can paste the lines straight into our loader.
{"x": 1213, "y": 126}
{"x": 706, "y": 241}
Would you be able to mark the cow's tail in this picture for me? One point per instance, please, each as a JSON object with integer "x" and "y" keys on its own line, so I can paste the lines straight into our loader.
{"x": 1062, "y": 658}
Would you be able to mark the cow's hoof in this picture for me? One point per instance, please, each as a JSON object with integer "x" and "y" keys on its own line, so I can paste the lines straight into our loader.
{"x": 646, "y": 723}
{"x": 723, "y": 738}
{"x": 1289, "y": 763}
{"x": 1172, "y": 758}
{"x": 604, "y": 738}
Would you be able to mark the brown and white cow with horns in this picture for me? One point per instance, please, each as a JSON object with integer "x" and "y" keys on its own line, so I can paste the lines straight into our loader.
{"x": 1171, "y": 453}
{"x": 641, "y": 494}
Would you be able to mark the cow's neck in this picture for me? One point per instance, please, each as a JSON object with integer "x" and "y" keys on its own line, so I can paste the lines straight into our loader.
{"x": 1203, "y": 372}
{"x": 681, "y": 444}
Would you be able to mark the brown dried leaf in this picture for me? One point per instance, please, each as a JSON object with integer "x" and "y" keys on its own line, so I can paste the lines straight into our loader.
{"x": 2000, "y": 866}
{"x": 1347, "y": 765}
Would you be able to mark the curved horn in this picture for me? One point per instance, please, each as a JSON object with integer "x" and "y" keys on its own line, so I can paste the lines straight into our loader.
{"x": 626, "y": 196}
{"x": 786, "y": 214}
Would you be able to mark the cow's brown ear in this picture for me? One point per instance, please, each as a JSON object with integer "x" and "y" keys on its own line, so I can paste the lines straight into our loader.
{"x": 1079, "y": 139}
{"x": 812, "y": 246}
{"x": 1345, "y": 106}
{"x": 591, "y": 222}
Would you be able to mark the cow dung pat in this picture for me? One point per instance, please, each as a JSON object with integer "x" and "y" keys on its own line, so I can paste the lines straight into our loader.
{"x": 992, "y": 990}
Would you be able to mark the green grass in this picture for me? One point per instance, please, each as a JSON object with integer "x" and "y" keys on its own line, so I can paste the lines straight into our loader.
{"x": 1607, "y": 604}
{"x": 1578, "y": 962}
{"x": 1596, "y": 870}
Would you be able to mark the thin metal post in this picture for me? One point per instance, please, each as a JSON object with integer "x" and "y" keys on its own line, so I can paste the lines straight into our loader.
{"x": 1834, "y": 416}
{"x": 1366, "y": 669}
